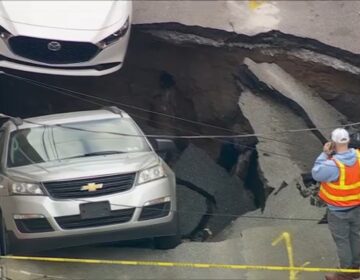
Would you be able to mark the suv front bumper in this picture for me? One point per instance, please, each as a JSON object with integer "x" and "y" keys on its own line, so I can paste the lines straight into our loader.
{"x": 169, "y": 227}
{"x": 52, "y": 209}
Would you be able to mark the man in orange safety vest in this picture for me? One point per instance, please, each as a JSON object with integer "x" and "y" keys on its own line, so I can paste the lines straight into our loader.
{"x": 338, "y": 170}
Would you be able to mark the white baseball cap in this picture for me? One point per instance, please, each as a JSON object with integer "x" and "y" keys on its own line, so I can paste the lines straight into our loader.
{"x": 340, "y": 136}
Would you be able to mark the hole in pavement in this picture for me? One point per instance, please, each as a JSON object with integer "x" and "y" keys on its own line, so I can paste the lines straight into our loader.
{"x": 229, "y": 155}
{"x": 195, "y": 81}
{"x": 255, "y": 182}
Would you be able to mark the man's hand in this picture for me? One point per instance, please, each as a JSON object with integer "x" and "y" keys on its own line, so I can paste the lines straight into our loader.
{"x": 328, "y": 148}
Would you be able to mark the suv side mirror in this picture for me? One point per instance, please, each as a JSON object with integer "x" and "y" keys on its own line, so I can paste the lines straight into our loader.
{"x": 164, "y": 145}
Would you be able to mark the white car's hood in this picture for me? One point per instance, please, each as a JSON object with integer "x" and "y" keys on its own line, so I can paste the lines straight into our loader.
{"x": 77, "y": 168}
{"x": 74, "y": 15}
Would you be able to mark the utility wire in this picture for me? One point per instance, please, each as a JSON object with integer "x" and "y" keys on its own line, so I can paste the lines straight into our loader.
{"x": 147, "y": 136}
{"x": 67, "y": 91}
{"x": 116, "y": 102}
{"x": 75, "y": 94}
{"x": 216, "y": 138}
{"x": 144, "y": 136}
{"x": 64, "y": 91}
{"x": 220, "y": 138}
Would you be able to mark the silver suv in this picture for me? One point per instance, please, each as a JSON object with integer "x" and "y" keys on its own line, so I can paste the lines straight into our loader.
{"x": 83, "y": 177}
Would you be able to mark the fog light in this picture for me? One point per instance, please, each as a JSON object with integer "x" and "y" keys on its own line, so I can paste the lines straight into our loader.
{"x": 156, "y": 210}
{"x": 32, "y": 223}
{"x": 158, "y": 201}
{"x": 28, "y": 216}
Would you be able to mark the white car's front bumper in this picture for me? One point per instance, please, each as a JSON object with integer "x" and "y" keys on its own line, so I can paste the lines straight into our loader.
{"x": 88, "y": 71}
{"x": 105, "y": 62}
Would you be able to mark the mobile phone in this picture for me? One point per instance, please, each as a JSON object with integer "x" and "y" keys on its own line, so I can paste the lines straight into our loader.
{"x": 332, "y": 147}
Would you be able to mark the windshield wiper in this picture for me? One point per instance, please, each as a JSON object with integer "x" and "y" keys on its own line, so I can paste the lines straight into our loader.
{"x": 100, "y": 153}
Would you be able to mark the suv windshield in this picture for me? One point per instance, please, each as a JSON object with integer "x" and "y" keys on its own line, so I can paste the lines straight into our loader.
{"x": 90, "y": 138}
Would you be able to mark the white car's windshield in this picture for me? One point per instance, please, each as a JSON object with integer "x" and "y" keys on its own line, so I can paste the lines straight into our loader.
{"x": 82, "y": 139}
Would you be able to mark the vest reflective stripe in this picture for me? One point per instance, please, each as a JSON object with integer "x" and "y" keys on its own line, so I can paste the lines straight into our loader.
{"x": 342, "y": 198}
{"x": 344, "y": 187}
{"x": 345, "y": 191}
{"x": 337, "y": 192}
{"x": 337, "y": 203}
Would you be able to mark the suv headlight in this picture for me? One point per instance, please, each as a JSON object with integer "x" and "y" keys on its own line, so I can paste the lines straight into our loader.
{"x": 26, "y": 189}
{"x": 150, "y": 174}
{"x": 4, "y": 34}
{"x": 115, "y": 36}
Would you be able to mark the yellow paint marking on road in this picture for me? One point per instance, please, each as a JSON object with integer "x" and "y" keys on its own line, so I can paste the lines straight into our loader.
{"x": 289, "y": 248}
{"x": 255, "y": 4}
{"x": 181, "y": 264}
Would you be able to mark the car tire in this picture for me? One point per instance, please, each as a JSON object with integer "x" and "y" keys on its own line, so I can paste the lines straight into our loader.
{"x": 4, "y": 241}
{"x": 167, "y": 242}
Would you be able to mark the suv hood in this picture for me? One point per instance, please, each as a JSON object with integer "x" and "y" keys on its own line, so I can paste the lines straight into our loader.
{"x": 78, "y": 168}
{"x": 75, "y": 15}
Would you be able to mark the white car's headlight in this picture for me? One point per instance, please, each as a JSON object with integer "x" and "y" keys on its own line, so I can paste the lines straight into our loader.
{"x": 26, "y": 189}
{"x": 115, "y": 36}
{"x": 150, "y": 174}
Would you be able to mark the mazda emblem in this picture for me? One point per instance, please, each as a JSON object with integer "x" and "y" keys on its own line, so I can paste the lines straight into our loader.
{"x": 54, "y": 46}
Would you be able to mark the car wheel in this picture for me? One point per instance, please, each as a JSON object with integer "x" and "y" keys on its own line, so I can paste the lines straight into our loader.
{"x": 167, "y": 242}
{"x": 4, "y": 243}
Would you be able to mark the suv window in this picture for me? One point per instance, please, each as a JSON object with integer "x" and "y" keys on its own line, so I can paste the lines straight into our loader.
{"x": 91, "y": 138}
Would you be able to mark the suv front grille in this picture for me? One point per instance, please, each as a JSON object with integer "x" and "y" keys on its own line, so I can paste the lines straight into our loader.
{"x": 73, "y": 189}
{"x": 116, "y": 217}
{"x": 38, "y": 50}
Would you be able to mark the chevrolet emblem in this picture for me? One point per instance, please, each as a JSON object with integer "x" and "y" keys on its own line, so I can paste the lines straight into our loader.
{"x": 91, "y": 187}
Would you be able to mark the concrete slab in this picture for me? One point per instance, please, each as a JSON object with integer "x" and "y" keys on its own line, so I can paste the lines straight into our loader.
{"x": 228, "y": 191}
{"x": 320, "y": 112}
{"x": 268, "y": 116}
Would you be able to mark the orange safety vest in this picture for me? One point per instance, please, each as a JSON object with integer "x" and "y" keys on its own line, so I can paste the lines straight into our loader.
{"x": 345, "y": 192}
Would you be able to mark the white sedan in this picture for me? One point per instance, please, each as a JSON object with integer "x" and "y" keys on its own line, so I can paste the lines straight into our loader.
{"x": 79, "y": 38}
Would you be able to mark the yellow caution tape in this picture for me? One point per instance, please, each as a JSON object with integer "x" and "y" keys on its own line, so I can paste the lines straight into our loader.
{"x": 183, "y": 264}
